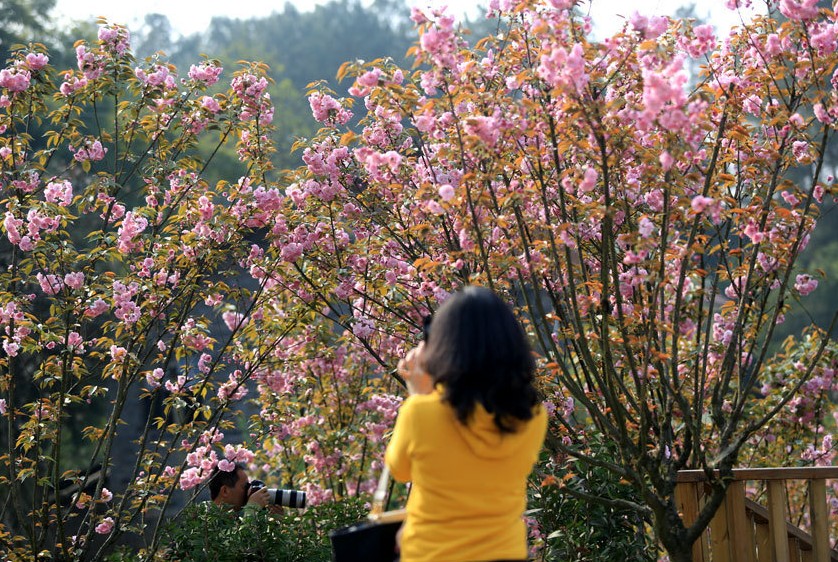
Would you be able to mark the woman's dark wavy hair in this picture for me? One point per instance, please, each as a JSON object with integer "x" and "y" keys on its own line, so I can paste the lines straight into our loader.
{"x": 477, "y": 349}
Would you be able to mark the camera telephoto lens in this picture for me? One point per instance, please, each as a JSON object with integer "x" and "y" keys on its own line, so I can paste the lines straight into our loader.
{"x": 287, "y": 498}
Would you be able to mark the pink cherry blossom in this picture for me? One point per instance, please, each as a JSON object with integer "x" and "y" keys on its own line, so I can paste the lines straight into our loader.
{"x": 154, "y": 377}
{"x": 799, "y": 10}
{"x": 327, "y": 109}
{"x": 89, "y": 63}
{"x": 703, "y": 41}
{"x": 36, "y": 61}
{"x": 645, "y": 227}
{"x": 589, "y": 180}
{"x": 11, "y": 347}
{"x": 805, "y": 284}
{"x": 238, "y": 453}
{"x": 50, "y": 284}
{"x": 75, "y": 342}
{"x": 91, "y": 150}
{"x": 801, "y": 151}
{"x": 210, "y": 104}
{"x": 700, "y": 203}
{"x": 132, "y": 226}
{"x": 118, "y": 353}
{"x": 233, "y": 320}
{"x": 177, "y": 385}
{"x": 15, "y": 79}
{"x": 205, "y": 362}
{"x": 97, "y": 308}
{"x": 106, "y": 526}
{"x": 59, "y": 192}
{"x": 72, "y": 84}
{"x": 12, "y": 226}
{"x": 157, "y": 76}
{"x": 114, "y": 36}
{"x": 485, "y": 128}
{"x": 292, "y": 252}
{"x": 666, "y": 161}
{"x": 752, "y": 232}
{"x": 74, "y": 280}
{"x": 190, "y": 478}
{"x": 206, "y": 73}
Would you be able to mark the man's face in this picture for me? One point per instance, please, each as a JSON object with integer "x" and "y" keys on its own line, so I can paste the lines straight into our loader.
{"x": 236, "y": 496}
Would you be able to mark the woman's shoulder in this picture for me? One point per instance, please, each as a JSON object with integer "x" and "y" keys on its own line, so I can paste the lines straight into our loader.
{"x": 424, "y": 400}
{"x": 425, "y": 404}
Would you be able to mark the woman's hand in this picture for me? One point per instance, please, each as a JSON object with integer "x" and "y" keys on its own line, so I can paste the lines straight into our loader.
{"x": 417, "y": 380}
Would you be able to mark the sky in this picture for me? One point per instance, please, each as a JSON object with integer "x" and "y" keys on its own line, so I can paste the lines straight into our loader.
{"x": 191, "y": 16}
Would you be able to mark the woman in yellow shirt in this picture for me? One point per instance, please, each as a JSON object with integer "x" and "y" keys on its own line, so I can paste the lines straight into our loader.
{"x": 468, "y": 435}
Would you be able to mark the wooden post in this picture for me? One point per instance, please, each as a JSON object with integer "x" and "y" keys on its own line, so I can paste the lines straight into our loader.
{"x": 777, "y": 521}
{"x": 739, "y": 524}
{"x": 820, "y": 523}
{"x": 720, "y": 535}
{"x": 763, "y": 542}
{"x": 767, "y": 533}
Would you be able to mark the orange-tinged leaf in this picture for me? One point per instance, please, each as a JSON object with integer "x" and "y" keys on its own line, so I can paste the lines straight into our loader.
{"x": 347, "y": 137}
{"x": 549, "y": 480}
{"x": 342, "y": 70}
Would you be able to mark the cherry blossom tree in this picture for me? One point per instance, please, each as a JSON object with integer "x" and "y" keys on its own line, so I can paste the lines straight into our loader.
{"x": 125, "y": 282}
{"x": 645, "y": 229}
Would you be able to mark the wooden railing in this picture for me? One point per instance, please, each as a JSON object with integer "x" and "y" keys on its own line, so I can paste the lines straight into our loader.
{"x": 745, "y": 531}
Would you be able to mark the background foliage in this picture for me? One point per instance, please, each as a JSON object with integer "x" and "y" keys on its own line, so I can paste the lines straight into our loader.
{"x": 299, "y": 287}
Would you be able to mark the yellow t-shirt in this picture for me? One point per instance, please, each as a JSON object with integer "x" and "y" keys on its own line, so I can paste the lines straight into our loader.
{"x": 469, "y": 481}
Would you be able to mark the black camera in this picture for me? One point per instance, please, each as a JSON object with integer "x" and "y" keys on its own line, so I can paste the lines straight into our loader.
{"x": 285, "y": 498}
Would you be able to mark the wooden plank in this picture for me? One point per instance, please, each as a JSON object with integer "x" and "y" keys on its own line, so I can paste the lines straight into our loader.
{"x": 760, "y": 515}
{"x": 763, "y": 542}
{"x": 777, "y": 521}
{"x": 719, "y": 536}
{"x": 686, "y": 499}
{"x": 739, "y": 524}
{"x": 792, "y": 473}
{"x": 700, "y": 494}
{"x": 820, "y": 520}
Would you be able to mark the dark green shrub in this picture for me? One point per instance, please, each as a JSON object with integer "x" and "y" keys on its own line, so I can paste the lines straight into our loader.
{"x": 577, "y": 529}
{"x": 205, "y": 533}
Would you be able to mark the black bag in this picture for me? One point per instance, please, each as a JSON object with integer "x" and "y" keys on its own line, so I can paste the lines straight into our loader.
{"x": 367, "y": 541}
{"x": 374, "y": 539}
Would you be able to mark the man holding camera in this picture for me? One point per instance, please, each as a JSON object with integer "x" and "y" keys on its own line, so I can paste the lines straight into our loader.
{"x": 232, "y": 489}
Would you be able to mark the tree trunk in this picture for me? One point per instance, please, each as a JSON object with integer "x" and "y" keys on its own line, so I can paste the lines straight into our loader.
{"x": 677, "y": 549}
{"x": 672, "y": 534}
